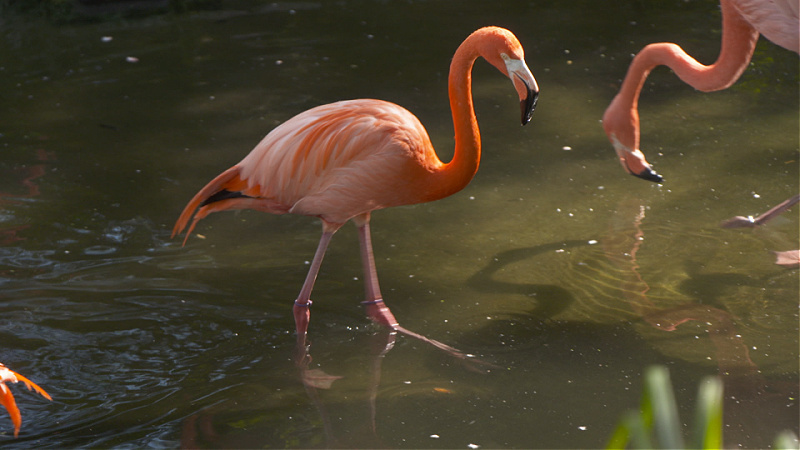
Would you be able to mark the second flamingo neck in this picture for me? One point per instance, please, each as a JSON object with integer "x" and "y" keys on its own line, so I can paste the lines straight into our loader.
{"x": 738, "y": 43}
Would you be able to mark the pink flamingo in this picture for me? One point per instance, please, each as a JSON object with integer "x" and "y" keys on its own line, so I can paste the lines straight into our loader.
{"x": 742, "y": 21}
{"x": 341, "y": 161}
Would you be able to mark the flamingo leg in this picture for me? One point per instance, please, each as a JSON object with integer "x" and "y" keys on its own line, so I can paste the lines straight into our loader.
{"x": 750, "y": 222}
{"x": 376, "y": 308}
{"x": 301, "y": 308}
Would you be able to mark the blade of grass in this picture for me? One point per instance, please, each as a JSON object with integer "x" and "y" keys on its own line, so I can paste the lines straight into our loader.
{"x": 786, "y": 440}
{"x": 619, "y": 439}
{"x": 708, "y": 414}
{"x": 630, "y": 429}
{"x": 665, "y": 421}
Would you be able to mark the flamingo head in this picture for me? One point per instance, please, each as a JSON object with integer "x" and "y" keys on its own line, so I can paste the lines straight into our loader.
{"x": 502, "y": 49}
{"x": 622, "y": 128}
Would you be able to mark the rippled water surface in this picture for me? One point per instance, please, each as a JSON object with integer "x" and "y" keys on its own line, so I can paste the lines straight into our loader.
{"x": 563, "y": 273}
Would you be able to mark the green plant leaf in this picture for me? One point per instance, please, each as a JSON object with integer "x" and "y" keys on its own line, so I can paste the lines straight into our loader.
{"x": 786, "y": 440}
{"x": 708, "y": 414}
{"x": 631, "y": 429}
{"x": 665, "y": 421}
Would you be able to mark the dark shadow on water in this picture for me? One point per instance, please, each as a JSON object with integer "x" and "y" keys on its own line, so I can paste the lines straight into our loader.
{"x": 550, "y": 299}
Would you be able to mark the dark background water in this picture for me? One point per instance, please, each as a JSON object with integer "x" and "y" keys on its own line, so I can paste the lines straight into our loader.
{"x": 108, "y": 127}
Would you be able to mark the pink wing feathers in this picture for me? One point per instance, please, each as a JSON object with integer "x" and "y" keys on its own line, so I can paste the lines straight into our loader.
{"x": 334, "y": 161}
{"x": 777, "y": 20}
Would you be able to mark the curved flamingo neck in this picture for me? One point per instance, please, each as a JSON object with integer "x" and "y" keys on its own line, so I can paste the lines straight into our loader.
{"x": 455, "y": 175}
{"x": 738, "y": 43}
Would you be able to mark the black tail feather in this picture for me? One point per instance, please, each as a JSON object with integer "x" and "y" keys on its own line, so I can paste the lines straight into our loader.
{"x": 223, "y": 195}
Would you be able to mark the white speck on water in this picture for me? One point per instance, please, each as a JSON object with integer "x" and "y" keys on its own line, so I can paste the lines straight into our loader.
{"x": 592, "y": 242}
{"x": 566, "y": 148}
{"x": 106, "y": 39}
{"x": 434, "y": 436}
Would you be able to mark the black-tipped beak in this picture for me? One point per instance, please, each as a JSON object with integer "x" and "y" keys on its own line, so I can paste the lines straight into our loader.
{"x": 649, "y": 175}
{"x": 528, "y": 105}
{"x": 525, "y": 85}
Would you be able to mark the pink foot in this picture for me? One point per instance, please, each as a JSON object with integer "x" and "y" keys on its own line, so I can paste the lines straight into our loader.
{"x": 380, "y": 313}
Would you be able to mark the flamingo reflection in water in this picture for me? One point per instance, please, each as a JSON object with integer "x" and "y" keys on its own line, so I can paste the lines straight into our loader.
{"x": 621, "y": 246}
{"x": 742, "y": 22}
{"x": 747, "y": 389}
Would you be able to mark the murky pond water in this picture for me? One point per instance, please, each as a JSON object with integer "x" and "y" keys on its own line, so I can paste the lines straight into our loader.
{"x": 565, "y": 274}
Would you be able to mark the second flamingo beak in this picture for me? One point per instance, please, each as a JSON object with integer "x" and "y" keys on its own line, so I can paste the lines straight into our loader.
{"x": 635, "y": 164}
{"x": 528, "y": 105}
{"x": 633, "y": 161}
{"x": 650, "y": 175}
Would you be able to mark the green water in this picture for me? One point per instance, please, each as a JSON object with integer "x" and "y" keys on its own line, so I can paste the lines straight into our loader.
{"x": 567, "y": 275}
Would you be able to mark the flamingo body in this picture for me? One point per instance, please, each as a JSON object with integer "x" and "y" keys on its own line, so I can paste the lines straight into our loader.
{"x": 334, "y": 162}
{"x": 343, "y": 160}
{"x": 777, "y": 20}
